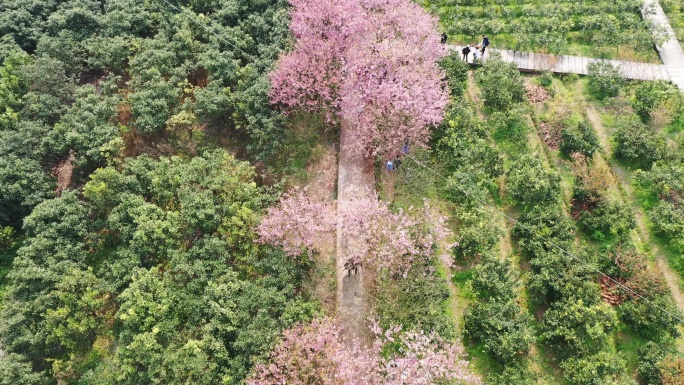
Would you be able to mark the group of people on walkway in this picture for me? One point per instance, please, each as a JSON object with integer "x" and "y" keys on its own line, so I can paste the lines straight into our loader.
{"x": 477, "y": 50}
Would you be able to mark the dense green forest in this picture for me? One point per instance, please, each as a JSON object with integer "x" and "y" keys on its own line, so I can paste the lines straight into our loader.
{"x": 128, "y": 230}
{"x": 140, "y": 152}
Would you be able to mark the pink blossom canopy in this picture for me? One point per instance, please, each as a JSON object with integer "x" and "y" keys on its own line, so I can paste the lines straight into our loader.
{"x": 371, "y": 62}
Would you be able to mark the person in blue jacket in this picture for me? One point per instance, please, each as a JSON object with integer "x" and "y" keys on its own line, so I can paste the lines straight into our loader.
{"x": 485, "y": 43}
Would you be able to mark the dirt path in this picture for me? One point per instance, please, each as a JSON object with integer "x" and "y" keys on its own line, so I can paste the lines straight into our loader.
{"x": 625, "y": 187}
{"x": 355, "y": 180}
{"x": 320, "y": 186}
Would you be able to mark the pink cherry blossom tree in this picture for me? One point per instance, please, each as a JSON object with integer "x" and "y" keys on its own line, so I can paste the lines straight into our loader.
{"x": 314, "y": 354}
{"x": 298, "y": 223}
{"x": 371, "y": 62}
{"x": 394, "y": 241}
{"x": 391, "y": 241}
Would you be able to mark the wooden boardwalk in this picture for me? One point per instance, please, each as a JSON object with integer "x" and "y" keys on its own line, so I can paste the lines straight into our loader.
{"x": 569, "y": 64}
{"x": 671, "y": 51}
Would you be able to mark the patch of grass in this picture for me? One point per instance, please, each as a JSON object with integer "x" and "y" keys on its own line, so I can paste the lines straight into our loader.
{"x": 482, "y": 362}
{"x": 462, "y": 277}
{"x": 628, "y": 342}
{"x": 549, "y": 366}
{"x": 301, "y": 144}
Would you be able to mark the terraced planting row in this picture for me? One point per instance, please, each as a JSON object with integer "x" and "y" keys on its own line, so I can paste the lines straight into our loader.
{"x": 530, "y": 313}
{"x": 597, "y": 28}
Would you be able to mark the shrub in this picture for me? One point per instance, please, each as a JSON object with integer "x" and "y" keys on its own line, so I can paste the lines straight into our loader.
{"x": 514, "y": 375}
{"x": 478, "y": 236}
{"x": 496, "y": 320}
{"x": 501, "y": 327}
{"x": 650, "y": 357}
{"x": 608, "y": 220}
{"x": 558, "y": 276}
{"x": 605, "y": 79}
{"x": 648, "y": 318}
{"x": 579, "y": 138}
{"x": 548, "y": 222}
{"x": 650, "y": 96}
{"x": 598, "y": 369}
{"x": 530, "y": 183}
{"x": 511, "y": 125}
{"x": 456, "y": 71}
{"x": 668, "y": 221}
{"x": 591, "y": 180}
{"x": 502, "y": 84}
{"x": 569, "y": 78}
{"x": 672, "y": 369}
{"x": 415, "y": 302}
{"x": 575, "y": 329}
{"x": 636, "y": 143}
{"x": 463, "y": 144}
{"x": 545, "y": 79}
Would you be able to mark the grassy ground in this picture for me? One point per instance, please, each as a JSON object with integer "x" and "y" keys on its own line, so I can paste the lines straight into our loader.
{"x": 601, "y": 29}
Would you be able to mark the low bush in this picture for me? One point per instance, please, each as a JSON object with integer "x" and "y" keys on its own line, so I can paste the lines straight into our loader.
{"x": 648, "y": 318}
{"x": 550, "y": 223}
{"x": 496, "y": 320}
{"x": 657, "y": 98}
{"x": 502, "y": 84}
{"x": 456, "y": 72}
{"x": 668, "y": 221}
{"x": 478, "y": 234}
{"x": 635, "y": 142}
{"x": 463, "y": 143}
{"x": 591, "y": 180}
{"x": 574, "y": 328}
{"x": 605, "y": 79}
{"x": 415, "y": 302}
{"x": 601, "y": 368}
{"x": 6, "y": 238}
{"x": 514, "y": 375}
{"x": 579, "y": 138}
{"x": 530, "y": 183}
{"x": 650, "y": 357}
{"x": 545, "y": 79}
{"x": 608, "y": 220}
{"x": 558, "y": 276}
{"x": 512, "y": 125}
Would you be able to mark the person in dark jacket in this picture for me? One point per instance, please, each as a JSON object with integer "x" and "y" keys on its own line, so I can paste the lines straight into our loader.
{"x": 444, "y": 38}
{"x": 466, "y": 51}
{"x": 485, "y": 43}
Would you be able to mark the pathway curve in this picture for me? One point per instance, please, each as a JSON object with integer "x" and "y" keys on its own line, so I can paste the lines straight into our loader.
{"x": 355, "y": 180}
{"x": 671, "y": 51}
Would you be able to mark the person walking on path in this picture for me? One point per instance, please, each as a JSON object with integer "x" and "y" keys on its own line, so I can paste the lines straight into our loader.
{"x": 477, "y": 54}
{"x": 485, "y": 43}
{"x": 466, "y": 51}
{"x": 444, "y": 38}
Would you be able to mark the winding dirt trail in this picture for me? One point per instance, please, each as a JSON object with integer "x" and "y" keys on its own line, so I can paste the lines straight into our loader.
{"x": 355, "y": 180}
